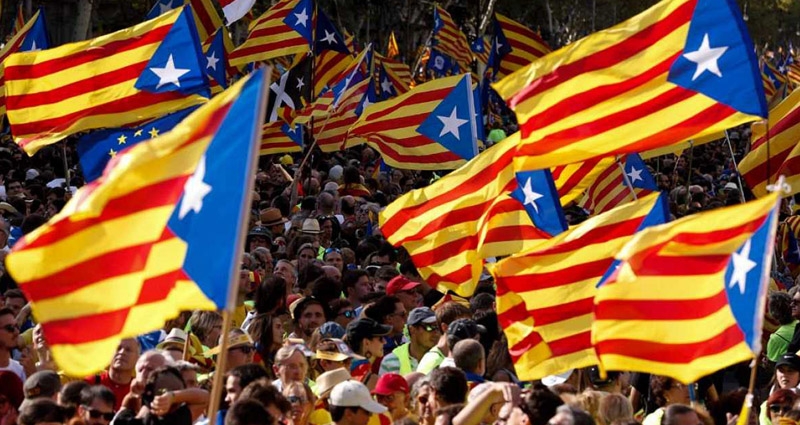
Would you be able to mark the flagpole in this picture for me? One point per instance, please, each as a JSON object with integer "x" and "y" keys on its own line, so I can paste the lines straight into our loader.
{"x": 419, "y": 56}
{"x": 689, "y": 176}
{"x": 218, "y": 383}
{"x": 66, "y": 164}
{"x": 625, "y": 178}
{"x": 735, "y": 167}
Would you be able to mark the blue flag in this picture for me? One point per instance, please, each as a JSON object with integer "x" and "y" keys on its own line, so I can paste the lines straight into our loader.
{"x": 163, "y": 6}
{"x": 638, "y": 174}
{"x": 217, "y": 60}
{"x": 537, "y": 192}
{"x": 452, "y": 122}
{"x": 328, "y": 37}
{"x": 37, "y": 38}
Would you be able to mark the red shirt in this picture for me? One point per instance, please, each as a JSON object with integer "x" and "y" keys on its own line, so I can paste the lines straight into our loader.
{"x": 119, "y": 390}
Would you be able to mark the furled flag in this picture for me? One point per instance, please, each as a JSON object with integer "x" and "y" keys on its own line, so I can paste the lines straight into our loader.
{"x": 279, "y": 137}
{"x": 452, "y": 225}
{"x": 235, "y": 9}
{"x": 31, "y": 36}
{"x": 679, "y": 70}
{"x": 775, "y": 152}
{"x": 545, "y": 294}
{"x": 284, "y": 29}
{"x": 206, "y": 18}
{"x": 392, "y": 51}
{"x": 432, "y": 127}
{"x": 115, "y": 80}
{"x": 515, "y": 45}
{"x": 449, "y": 40}
{"x": 95, "y": 149}
{"x": 139, "y": 234}
{"x": 688, "y": 297}
{"x": 612, "y": 188}
{"x": 19, "y": 20}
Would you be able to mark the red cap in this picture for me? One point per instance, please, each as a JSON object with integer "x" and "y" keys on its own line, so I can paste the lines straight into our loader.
{"x": 391, "y": 383}
{"x": 400, "y": 283}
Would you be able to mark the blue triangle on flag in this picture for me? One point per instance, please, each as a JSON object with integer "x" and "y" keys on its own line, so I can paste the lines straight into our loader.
{"x": 452, "y": 121}
{"x": 537, "y": 192}
{"x": 369, "y": 98}
{"x": 439, "y": 63}
{"x": 216, "y": 60}
{"x": 294, "y": 132}
{"x": 163, "y": 6}
{"x": 178, "y": 63}
{"x": 638, "y": 174}
{"x": 300, "y": 19}
{"x": 37, "y": 38}
{"x": 386, "y": 87}
{"x": 328, "y": 37}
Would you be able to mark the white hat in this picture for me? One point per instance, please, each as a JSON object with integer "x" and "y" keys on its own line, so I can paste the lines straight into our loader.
{"x": 355, "y": 394}
{"x": 731, "y": 185}
{"x": 558, "y": 379}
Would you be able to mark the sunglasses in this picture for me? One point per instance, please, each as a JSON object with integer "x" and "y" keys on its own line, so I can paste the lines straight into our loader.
{"x": 348, "y": 314}
{"x": 428, "y": 328}
{"x": 779, "y": 408}
{"x": 94, "y": 414}
{"x": 336, "y": 250}
{"x": 10, "y": 328}
{"x": 246, "y": 349}
{"x": 295, "y": 399}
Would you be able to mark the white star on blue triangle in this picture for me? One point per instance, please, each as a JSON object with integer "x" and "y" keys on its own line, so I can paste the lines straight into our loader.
{"x": 163, "y": 6}
{"x": 298, "y": 19}
{"x": 537, "y": 193}
{"x": 217, "y": 50}
{"x": 452, "y": 122}
{"x": 295, "y": 133}
{"x": 638, "y": 174}
{"x": 37, "y": 37}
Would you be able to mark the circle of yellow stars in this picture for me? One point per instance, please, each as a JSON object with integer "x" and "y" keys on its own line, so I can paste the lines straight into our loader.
{"x": 123, "y": 139}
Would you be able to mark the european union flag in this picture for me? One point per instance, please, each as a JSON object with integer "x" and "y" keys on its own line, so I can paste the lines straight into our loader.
{"x": 217, "y": 60}
{"x": 537, "y": 192}
{"x": 98, "y": 147}
{"x": 452, "y": 122}
{"x": 215, "y": 197}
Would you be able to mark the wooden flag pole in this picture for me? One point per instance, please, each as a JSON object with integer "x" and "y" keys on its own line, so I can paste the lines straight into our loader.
{"x": 218, "y": 384}
{"x": 735, "y": 167}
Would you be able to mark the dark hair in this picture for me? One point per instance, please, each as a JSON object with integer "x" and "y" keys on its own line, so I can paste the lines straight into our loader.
{"x": 14, "y": 293}
{"x": 265, "y": 393}
{"x": 260, "y": 331}
{"x": 248, "y": 412}
{"x": 780, "y": 307}
{"x": 449, "y": 412}
{"x": 303, "y": 304}
{"x": 382, "y": 308}
{"x": 450, "y": 384}
{"x": 659, "y": 385}
{"x": 270, "y": 295}
{"x": 481, "y": 301}
{"x": 248, "y": 373}
{"x": 728, "y": 403}
{"x": 388, "y": 250}
{"x": 89, "y": 394}
{"x": 308, "y": 274}
{"x": 408, "y": 269}
{"x": 7, "y": 310}
{"x": 339, "y": 304}
{"x": 489, "y": 321}
{"x": 72, "y": 393}
{"x": 541, "y": 405}
{"x": 451, "y": 311}
{"x": 674, "y": 410}
{"x": 351, "y": 175}
{"x": 386, "y": 273}
{"x": 150, "y": 389}
{"x": 337, "y": 412}
{"x": 349, "y": 279}
{"x": 325, "y": 289}
{"x": 41, "y": 410}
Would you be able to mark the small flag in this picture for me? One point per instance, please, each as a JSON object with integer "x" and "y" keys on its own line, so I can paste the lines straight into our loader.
{"x": 612, "y": 188}
{"x": 279, "y": 137}
{"x": 235, "y": 9}
{"x": 284, "y": 29}
{"x": 392, "y": 51}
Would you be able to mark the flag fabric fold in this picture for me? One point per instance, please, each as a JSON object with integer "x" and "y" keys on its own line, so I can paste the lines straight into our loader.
{"x": 688, "y": 297}
{"x": 284, "y": 29}
{"x": 516, "y": 45}
{"x": 29, "y": 36}
{"x": 612, "y": 188}
{"x": 139, "y": 234}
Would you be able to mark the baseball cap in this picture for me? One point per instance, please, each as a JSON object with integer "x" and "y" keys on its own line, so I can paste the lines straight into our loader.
{"x": 464, "y": 329}
{"x": 355, "y": 394}
{"x": 391, "y": 383}
{"x": 789, "y": 359}
{"x": 400, "y": 283}
{"x": 44, "y": 384}
{"x": 366, "y": 328}
{"x": 421, "y": 315}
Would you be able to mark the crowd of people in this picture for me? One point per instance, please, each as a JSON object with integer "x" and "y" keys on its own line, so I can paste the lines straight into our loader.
{"x": 335, "y": 325}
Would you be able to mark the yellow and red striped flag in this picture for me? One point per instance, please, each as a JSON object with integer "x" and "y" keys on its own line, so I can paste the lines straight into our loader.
{"x": 284, "y": 29}
{"x": 452, "y": 225}
{"x": 33, "y": 30}
{"x": 612, "y": 188}
{"x": 688, "y": 297}
{"x": 392, "y": 51}
{"x": 131, "y": 249}
{"x": 399, "y": 74}
{"x": 206, "y": 18}
{"x": 572, "y": 180}
{"x": 793, "y": 73}
{"x": 448, "y": 39}
{"x": 525, "y": 45}
{"x": 679, "y": 70}
{"x": 127, "y": 77}
{"x": 545, "y": 294}
{"x": 330, "y": 132}
{"x": 757, "y": 168}
{"x": 330, "y": 66}
{"x": 279, "y": 137}
{"x": 769, "y": 87}
{"x": 217, "y": 48}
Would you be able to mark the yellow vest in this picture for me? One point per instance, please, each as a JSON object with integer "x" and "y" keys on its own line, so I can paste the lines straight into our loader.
{"x": 404, "y": 356}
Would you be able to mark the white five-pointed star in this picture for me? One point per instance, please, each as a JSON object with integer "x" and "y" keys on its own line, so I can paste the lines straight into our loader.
{"x": 706, "y": 58}
{"x": 451, "y": 124}
{"x": 300, "y": 83}
{"x": 302, "y": 17}
{"x": 742, "y": 264}
{"x": 635, "y": 175}
{"x": 164, "y": 7}
{"x": 195, "y": 190}
{"x": 530, "y": 196}
{"x": 499, "y": 45}
{"x": 366, "y": 103}
{"x": 212, "y": 61}
{"x": 386, "y": 86}
{"x": 34, "y": 48}
{"x": 330, "y": 38}
{"x": 169, "y": 74}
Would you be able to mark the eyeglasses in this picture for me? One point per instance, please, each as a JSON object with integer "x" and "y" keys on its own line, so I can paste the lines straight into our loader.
{"x": 429, "y": 328}
{"x": 10, "y": 328}
{"x": 348, "y": 314}
{"x": 246, "y": 349}
{"x": 94, "y": 414}
{"x": 780, "y": 408}
{"x": 296, "y": 399}
{"x": 387, "y": 398}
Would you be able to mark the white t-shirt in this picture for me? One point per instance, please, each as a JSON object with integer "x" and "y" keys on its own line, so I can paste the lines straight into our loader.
{"x": 448, "y": 362}
{"x": 16, "y": 367}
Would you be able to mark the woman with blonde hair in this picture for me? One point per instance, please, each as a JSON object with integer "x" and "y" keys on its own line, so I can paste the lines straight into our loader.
{"x": 614, "y": 408}
{"x": 302, "y": 399}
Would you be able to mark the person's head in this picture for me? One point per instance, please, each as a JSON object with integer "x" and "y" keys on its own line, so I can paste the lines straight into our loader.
{"x": 270, "y": 295}
{"x": 540, "y": 406}
{"x": 407, "y": 291}
{"x": 779, "y": 403}
{"x": 469, "y": 356}
{"x": 449, "y": 386}
{"x": 794, "y": 292}
{"x": 388, "y": 310}
{"x": 787, "y": 371}
{"x": 239, "y": 378}
{"x": 286, "y": 270}
{"x": 423, "y": 328}
{"x": 207, "y": 326}
{"x": 308, "y": 315}
{"x": 306, "y": 253}
{"x": 350, "y": 403}
{"x": 780, "y": 307}
{"x": 291, "y": 364}
{"x": 97, "y": 405}
{"x": 266, "y": 331}
{"x": 70, "y": 396}
{"x": 43, "y": 384}
{"x": 667, "y": 391}
{"x": 302, "y": 399}
{"x": 392, "y": 391}
{"x": 248, "y": 412}
{"x": 334, "y": 273}
{"x": 343, "y": 309}
{"x": 615, "y": 408}
{"x": 240, "y": 349}
{"x": 150, "y": 361}
{"x": 124, "y": 360}
{"x": 331, "y": 356}
{"x": 482, "y": 302}
{"x": 262, "y": 391}
{"x": 13, "y": 188}
{"x": 365, "y": 337}
{"x": 449, "y": 312}
{"x": 42, "y": 411}
{"x": 11, "y": 392}
{"x": 571, "y": 415}
{"x": 462, "y": 329}
{"x": 189, "y": 373}
{"x": 9, "y": 331}
{"x": 160, "y": 381}
{"x": 15, "y": 300}
{"x": 680, "y": 414}
{"x": 333, "y": 256}
{"x": 420, "y": 396}
{"x": 356, "y": 285}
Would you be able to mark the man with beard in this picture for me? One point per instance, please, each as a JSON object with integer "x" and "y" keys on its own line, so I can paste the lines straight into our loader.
{"x": 308, "y": 314}
{"x": 357, "y": 287}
